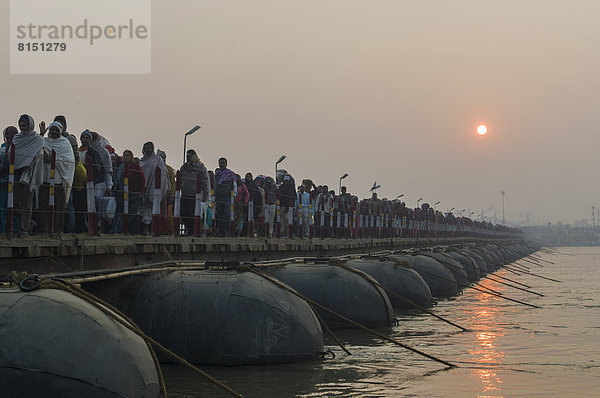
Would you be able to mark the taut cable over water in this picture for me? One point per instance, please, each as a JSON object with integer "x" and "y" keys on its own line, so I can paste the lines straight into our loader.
{"x": 537, "y": 258}
{"x": 531, "y": 262}
{"x": 376, "y": 283}
{"x": 511, "y": 271}
{"x": 532, "y": 274}
{"x": 482, "y": 290}
{"x": 511, "y": 280}
{"x": 124, "y": 320}
{"x": 519, "y": 266}
{"x": 488, "y": 277}
{"x": 554, "y": 252}
{"x": 283, "y": 286}
{"x": 516, "y": 266}
{"x": 514, "y": 287}
{"x": 328, "y": 330}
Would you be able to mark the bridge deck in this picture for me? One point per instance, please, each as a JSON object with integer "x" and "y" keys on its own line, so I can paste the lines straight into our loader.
{"x": 72, "y": 252}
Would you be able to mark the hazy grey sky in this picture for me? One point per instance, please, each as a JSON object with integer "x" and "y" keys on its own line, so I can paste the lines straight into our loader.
{"x": 390, "y": 91}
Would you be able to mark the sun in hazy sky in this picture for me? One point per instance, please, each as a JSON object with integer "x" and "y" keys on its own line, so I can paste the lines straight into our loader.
{"x": 482, "y": 129}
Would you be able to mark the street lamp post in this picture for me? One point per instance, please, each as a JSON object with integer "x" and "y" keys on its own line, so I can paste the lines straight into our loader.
{"x": 400, "y": 218}
{"x": 471, "y": 219}
{"x": 448, "y": 214}
{"x": 415, "y": 228}
{"x": 281, "y": 159}
{"x": 460, "y": 213}
{"x": 192, "y": 131}
{"x": 502, "y": 193}
{"x": 341, "y": 178}
{"x": 436, "y": 217}
{"x": 370, "y": 218}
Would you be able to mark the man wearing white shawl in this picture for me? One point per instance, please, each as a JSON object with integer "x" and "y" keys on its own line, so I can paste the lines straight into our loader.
{"x": 63, "y": 177}
{"x": 149, "y": 162}
{"x": 28, "y": 170}
{"x": 98, "y": 143}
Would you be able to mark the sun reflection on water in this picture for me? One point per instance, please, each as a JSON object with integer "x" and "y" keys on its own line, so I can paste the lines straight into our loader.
{"x": 484, "y": 349}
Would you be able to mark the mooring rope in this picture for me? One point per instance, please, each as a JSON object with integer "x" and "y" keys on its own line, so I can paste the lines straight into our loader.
{"x": 532, "y": 274}
{"x": 321, "y": 321}
{"x": 514, "y": 287}
{"x": 503, "y": 277}
{"x": 471, "y": 283}
{"x": 289, "y": 289}
{"x": 511, "y": 280}
{"x": 333, "y": 336}
{"x": 528, "y": 261}
{"x": 118, "y": 316}
{"x": 376, "y": 283}
{"x": 481, "y": 290}
{"x": 365, "y": 276}
{"x": 518, "y": 266}
{"x": 553, "y": 251}
{"x": 533, "y": 256}
{"x": 492, "y": 279}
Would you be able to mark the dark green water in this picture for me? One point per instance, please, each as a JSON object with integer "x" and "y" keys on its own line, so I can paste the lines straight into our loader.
{"x": 513, "y": 350}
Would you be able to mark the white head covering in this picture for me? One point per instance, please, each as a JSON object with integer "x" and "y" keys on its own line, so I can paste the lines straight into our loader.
{"x": 28, "y": 145}
{"x": 58, "y": 125}
{"x": 65, "y": 160}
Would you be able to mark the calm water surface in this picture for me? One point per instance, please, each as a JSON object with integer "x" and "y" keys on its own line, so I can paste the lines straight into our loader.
{"x": 513, "y": 350}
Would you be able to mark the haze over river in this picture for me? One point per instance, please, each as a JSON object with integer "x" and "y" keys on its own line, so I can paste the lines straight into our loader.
{"x": 513, "y": 350}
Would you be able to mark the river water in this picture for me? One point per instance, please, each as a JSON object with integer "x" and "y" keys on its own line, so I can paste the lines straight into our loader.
{"x": 512, "y": 350}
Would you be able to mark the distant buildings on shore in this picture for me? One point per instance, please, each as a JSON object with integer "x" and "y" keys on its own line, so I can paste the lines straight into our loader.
{"x": 580, "y": 234}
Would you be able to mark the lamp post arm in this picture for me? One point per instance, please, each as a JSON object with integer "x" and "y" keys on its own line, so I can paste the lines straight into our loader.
{"x": 184, "y": 146}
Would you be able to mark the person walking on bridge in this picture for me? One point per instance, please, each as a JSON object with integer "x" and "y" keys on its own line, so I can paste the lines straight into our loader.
{"x": 375, "y": 209}
{"x": 8, "y": 135}
{"x": 101, "y": 162}
{"x": 287, "y": 196}
{"x": 225, "y": 185}
{"x": 344, "y": 209}
{"x": 256, "y": 199}
{"x": 29, "y": 171}
{"x": 167, "y": 221}
{"x": 136, "y": 189}
{"x": 241, "y": 205}
{"x": 101, "y": 166}
{"x": 189, "y": 173}
{"x": 63, "y": 178}
{"x": 303, "y": 204}
{"x": 69, "y": 208}
{"x": 324, "y": 205}
{"x": 270, "y": 205}
{"x": 149, "y": 162}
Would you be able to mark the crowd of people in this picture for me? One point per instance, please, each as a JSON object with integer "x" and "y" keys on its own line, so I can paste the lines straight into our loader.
{"x": 51, "y": 182}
